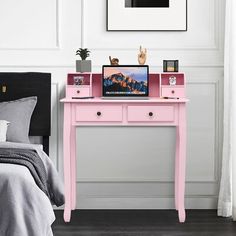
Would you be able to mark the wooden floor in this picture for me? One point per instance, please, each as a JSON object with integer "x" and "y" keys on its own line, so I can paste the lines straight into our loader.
{"x": 143, "y": 223}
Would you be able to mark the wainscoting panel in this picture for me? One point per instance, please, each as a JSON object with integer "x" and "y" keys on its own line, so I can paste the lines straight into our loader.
{"x": 28, "y": 24}
{"x": 202, "y": 118}
{"x": 125, "y": 154}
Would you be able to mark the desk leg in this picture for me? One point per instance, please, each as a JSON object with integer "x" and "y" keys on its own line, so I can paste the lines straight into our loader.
{"x": 73, "y": 167}
{"x": 181, "y": 165}
{"x": 176, "y": 167}
{"x": 67, "y": 161}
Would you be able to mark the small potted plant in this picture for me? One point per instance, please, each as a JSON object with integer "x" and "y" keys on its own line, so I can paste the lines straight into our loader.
{"x": 83, "y": 65}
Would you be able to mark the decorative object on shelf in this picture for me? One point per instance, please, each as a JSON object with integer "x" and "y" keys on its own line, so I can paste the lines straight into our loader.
{"x": 172, "y": 80}
{"x": 146, "y": 15}
{"x": 142, "y": 56}
{"x": 114, "y": 61}
{"x": 170, "y": 66}
{"x": 83, "y": 65}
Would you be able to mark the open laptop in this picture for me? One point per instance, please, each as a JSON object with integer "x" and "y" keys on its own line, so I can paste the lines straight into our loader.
{"x": 125, "y": 82}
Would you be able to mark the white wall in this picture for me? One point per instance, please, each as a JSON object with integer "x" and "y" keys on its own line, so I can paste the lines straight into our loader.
{"x": 43, "y": 36}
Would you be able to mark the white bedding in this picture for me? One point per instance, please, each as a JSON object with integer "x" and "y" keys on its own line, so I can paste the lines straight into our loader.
{"x": 25, "y": 210}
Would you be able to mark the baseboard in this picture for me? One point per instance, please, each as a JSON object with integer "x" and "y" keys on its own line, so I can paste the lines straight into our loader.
{"x": 144, "y": 203}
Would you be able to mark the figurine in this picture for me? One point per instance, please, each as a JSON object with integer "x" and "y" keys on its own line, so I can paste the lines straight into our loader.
{"x": 142, "y": 56}
{"x": 172, "y": 80}
{"x": 114, "y": 61}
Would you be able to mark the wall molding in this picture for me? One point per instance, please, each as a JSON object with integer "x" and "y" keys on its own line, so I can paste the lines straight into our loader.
{"x": 57, "y": 40}
{"x": 217, "y": 147}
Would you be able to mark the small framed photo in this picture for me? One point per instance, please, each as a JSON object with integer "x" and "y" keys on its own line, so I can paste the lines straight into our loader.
{"x": 171, "y": 66}
{"x": 78, "y": 80}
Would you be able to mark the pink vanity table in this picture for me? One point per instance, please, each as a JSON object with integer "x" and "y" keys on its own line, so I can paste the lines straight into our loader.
{"x": 156, "y": 111}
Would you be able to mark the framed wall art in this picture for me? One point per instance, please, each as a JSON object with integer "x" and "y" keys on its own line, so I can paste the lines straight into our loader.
{"x": 170, "y": 66}
{"x": 146, "y": 15}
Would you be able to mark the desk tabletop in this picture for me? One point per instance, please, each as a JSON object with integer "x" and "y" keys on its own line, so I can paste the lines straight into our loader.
{"x": 101, "y": 100}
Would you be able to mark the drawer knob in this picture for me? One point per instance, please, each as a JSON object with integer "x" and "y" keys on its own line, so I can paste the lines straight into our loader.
{"x": 173, "y": 91}
{"x": 150, "y": 114}
{"x": 78, "y": 91}
{"x": 99, "y": 113}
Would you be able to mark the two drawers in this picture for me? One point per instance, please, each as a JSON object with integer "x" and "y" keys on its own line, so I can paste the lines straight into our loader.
{"x": 129, "y": 113}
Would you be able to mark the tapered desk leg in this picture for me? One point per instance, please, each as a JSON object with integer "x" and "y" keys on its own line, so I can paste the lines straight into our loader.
{"x": 181, "y": 162}
{"x": 67, "y": 161}
{"x": 176, "y": 167}
{"x": 73, "y": 167}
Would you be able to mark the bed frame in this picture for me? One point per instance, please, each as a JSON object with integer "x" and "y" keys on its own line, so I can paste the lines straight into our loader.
{"x": 19, "y": 85}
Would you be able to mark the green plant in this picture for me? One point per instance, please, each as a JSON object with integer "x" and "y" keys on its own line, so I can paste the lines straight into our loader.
{"x": 83, "y": 53}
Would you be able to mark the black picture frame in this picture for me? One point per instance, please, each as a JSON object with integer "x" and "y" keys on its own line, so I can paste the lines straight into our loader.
{"x": 141, "y": 30}
{"x": 171, "y": 66}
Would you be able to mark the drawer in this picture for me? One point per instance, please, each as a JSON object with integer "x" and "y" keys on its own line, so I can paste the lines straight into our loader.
{"x": 173, "y": 92}
{"x": 98, "y": 113}
{"x": 150, "y": 113}
{"x": 77, "y": 92}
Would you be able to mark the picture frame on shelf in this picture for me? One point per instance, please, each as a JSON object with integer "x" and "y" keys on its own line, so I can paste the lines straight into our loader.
{"x": 78, "y": 80}
{"x": 171, "y": 66}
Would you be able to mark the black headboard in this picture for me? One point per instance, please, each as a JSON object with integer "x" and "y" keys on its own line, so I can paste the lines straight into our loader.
{"x": 18, "y": 85}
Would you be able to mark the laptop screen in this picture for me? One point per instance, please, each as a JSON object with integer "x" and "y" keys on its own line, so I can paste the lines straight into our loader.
{"x": 125, "y": 81}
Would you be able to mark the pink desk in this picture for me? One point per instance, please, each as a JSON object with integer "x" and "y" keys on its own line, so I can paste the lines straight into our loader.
{"x": 99, "y": 112}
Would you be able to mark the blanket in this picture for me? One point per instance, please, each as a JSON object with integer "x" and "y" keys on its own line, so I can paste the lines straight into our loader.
{"x": 31, "y": 160}
{"x": 24, "y": 208}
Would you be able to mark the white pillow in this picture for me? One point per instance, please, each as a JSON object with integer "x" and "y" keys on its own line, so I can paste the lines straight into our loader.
{"x": 3, "y": 130}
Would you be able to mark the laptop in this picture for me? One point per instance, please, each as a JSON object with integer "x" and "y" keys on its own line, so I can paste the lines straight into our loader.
{"x": 125, "y": 82}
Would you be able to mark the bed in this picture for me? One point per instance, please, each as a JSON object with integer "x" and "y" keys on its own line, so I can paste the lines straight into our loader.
{"x": 29, "y": 182}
